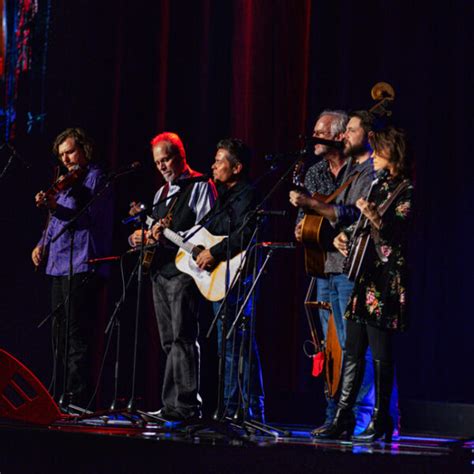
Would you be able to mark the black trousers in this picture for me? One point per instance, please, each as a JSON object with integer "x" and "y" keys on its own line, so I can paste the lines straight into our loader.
{"x": 85, "y": 294}
{"x": 360, "y": 336}
{"x": 176, "y": 307}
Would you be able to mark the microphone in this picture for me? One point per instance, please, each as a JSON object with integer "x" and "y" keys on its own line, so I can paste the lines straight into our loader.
{"x": 277, "y": 245}
{"x": 381, "y": 174}
{"x": 135, "y": 217}
{"x": 195, "y": 179}
{"x": 130, "y": 168}
{"x": 263, "y": 212}
{"x": 339, "y": 144}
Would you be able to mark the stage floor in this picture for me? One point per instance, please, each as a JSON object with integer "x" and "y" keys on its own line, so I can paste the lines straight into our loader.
{"x": 120, "y": 445}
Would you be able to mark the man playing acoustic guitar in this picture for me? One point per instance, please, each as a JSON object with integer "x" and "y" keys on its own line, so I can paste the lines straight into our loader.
{"x": 237, "y": 197}
{"x": 175, "y": 295}
{"x": 324, "y": 177}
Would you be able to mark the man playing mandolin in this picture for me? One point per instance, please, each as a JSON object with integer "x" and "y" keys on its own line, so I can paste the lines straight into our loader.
{"x": 175, "y": 295}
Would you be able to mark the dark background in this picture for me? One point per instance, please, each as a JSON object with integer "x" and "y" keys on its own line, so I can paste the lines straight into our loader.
{"x": 261, "y": 71}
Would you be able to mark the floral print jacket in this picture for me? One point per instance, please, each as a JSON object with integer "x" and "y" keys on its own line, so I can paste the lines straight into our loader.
{"x": 380, "y": 294}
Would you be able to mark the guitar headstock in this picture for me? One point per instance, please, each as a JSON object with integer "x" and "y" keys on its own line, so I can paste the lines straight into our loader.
{"x": 165, "y": 221}
{"x": 298, "y": 176}
{"x": 136, "y": 208}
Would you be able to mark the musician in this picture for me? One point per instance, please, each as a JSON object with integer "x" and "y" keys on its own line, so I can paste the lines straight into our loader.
{"x": 175, "y": 295}
{"x": 341, "y": 214}
{"x": 324, "y": 177}
{"x": 92, "y": 236}
{"x": 236, "y": 197}
{"x": 377, "y": 308}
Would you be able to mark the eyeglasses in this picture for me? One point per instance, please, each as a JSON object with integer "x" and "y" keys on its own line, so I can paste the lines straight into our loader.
{"x": 322, "y": 134}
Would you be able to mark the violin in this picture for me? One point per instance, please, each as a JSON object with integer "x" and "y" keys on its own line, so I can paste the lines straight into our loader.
{"x": 64, "y": 182}
{"x": 61, "y": 183}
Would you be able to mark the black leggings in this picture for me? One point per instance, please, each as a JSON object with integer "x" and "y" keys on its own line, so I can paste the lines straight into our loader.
{"x": 359, "y": 336}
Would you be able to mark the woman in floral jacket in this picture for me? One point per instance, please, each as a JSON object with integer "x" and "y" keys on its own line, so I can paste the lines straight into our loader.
{"x": 377, "y": 308}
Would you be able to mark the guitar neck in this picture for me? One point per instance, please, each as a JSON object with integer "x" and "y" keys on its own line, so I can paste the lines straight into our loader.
{"x": 178, "y": 240}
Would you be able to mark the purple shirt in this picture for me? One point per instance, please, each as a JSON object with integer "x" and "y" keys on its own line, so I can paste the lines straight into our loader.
{"x": 93, "y": 235}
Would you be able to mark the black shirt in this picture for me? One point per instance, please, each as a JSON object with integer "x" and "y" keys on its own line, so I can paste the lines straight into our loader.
{"x": 236, "y": 201}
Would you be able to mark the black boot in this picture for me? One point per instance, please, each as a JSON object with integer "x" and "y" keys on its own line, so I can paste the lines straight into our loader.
{"x": 344, "y": 420}
{"x": 381, "y": 424}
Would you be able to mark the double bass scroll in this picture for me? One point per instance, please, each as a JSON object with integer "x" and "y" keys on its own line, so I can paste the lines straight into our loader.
{"x": 384, "y": 93}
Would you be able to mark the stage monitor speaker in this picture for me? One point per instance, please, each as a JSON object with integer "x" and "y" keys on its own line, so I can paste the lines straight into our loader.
{"x": 22, "y": 396}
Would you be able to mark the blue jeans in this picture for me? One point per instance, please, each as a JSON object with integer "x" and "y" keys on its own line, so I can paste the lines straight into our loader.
{"x": 322, "y": 294}
{"x": 235, "y": 391}
{"x": 340, "y": 291}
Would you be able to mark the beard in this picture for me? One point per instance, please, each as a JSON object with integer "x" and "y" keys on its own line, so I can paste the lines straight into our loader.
{"x": 354, "y": 150}
{"x": 321, "y": 150}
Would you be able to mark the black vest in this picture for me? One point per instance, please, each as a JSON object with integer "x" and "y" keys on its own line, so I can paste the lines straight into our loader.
{"x": 183, "y": 218}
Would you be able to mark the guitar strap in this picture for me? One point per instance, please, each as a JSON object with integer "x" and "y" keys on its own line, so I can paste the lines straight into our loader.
{"x": 163, "y": 195}
{"x": 382, "y": 209}
{"x": 150, "y": 253}
{"x": 339, "y": 190}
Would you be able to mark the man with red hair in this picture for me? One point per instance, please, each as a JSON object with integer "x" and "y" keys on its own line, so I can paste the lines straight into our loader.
{"x": 175, "y": 295}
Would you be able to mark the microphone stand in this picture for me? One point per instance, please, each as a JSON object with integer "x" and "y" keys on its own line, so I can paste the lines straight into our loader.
{"x": 131, "y": 406}
{"x": 239, "y": 319}
{"x": 220, "y": 411}
{"x": 222, "y": 309}
{"x": 114, "y": 323}
{"x": 70, "y": 226}
{"x": 8, "y": 164}
{"x": 218, "y": 422}
{"x": 13, "y": 154}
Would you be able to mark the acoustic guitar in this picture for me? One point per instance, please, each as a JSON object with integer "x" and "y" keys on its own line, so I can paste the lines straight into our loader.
{"x": 211, "y": 283}
{"x": 317, "y": 232}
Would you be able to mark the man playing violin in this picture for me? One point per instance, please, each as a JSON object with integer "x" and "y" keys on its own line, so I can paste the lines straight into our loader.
{"x": 175, "y": 295}
{"x": 90, "y": 238}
